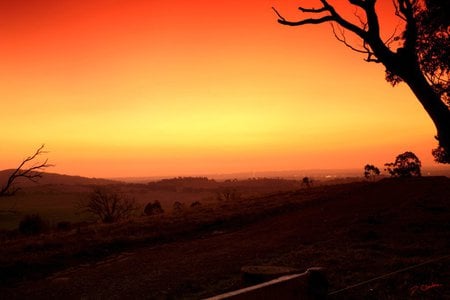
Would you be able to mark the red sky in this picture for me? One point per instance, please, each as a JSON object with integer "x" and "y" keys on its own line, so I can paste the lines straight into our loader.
{"x": 140, "y": 88}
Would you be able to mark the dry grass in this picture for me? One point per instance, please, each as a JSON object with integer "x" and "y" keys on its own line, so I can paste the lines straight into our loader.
{"x": 24, "y": 257}
{"x": 357, "y": 231}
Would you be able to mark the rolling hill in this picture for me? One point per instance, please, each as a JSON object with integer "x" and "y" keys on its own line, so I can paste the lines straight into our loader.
{"x": 54, "y": 178}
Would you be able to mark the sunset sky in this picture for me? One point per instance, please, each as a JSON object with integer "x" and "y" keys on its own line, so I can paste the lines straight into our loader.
{"x": 120, "y": 88}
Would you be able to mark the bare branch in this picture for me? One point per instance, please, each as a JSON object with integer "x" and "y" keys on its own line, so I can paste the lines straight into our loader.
{"x": 341, "y": 38}
{"x": 280, "y": 17}
{"x": 393, "y": 37}
{"x": 362, "y": 22}
{"x": 32, "y": 173}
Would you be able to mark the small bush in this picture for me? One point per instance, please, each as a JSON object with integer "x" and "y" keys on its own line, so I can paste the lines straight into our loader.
{"x": 153, "y": 208}
{"x": 64, "y": 226}
{"x": 32, "y": 224}
{"x": 178, "y": 207}
{"x": 228, "y": 194}
{"x": 306, "y": 181}
{"x": 195, "y": 204}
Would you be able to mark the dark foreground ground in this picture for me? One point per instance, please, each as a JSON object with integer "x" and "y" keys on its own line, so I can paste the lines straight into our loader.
{"x": 395, "y": 230}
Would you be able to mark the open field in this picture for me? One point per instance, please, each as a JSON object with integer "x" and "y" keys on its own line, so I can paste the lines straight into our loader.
{"x": 357, "y": 231}
{"x": 57, "y": 197}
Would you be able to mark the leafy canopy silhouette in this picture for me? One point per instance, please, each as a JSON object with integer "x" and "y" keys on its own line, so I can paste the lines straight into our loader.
{"x": 406, "y": 164}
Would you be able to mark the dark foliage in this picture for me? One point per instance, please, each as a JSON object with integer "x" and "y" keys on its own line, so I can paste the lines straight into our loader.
{"x": 433, "y": 44}
{"x": 64, "y": 226}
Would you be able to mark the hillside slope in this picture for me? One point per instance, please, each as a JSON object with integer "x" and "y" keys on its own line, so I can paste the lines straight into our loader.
{"x": 356, "y": 231}
{"x": 54, "y": 178}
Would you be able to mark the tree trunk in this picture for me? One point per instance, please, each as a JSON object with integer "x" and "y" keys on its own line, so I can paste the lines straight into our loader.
{"x": 434, "y": 106}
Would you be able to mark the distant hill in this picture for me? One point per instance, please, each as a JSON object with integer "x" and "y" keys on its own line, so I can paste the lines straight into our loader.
{"x": 54, "y": 178}
{"x": 315, "y": 174}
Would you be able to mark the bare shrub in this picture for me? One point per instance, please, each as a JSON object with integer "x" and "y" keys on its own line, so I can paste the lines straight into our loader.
{"x": 32, "y": 224}
{"x": 153, "y": 208}
{"x": 108, "y": 206}
{"x": 228, "y": 194}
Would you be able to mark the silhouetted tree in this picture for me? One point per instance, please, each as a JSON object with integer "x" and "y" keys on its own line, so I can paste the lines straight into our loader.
{"x": 28, "y": 169}
{"x": 108, "y": 205}
{"x": 306, "y": 181}
{"x": 195, "y": 204}
{"x": 370, "y": 171}
{"x": 406, "y": 165}
{"x": 419, "y": 56}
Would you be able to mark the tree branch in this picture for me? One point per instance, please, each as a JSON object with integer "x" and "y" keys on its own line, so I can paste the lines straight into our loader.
{"x": 333, "y": 16}
{"x": 344, "y": 23}
{"x": 367, "y": 50}
{"x": 313, "y": 10}
{"x": 344, "y": 40}
{"x": 306, "y": 21}
{"x": 392, "y": 38}
{"x": 397, "y": 10}
{"x": 359, "y": 3}
{"x": 407, "y": 10}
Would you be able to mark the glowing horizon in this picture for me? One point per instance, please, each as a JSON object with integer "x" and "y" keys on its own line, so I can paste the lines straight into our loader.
{"x": 143, "y": 88}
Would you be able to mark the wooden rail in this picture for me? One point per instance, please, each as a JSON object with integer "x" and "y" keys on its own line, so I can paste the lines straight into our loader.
{"x": 310, "y": 285}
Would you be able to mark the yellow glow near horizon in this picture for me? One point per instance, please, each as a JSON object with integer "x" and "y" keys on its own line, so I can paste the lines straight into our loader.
{"x": 142, "y": 88}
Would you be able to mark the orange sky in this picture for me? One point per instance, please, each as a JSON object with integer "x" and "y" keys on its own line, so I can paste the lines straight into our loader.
{"x": 153, "y": 87}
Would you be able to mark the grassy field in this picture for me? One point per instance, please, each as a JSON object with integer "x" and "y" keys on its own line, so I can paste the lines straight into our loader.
{"x": 61, "y": 202}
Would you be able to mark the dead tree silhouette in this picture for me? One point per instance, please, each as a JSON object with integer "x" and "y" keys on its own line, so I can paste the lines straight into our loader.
{"x": 24, "y": 170}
